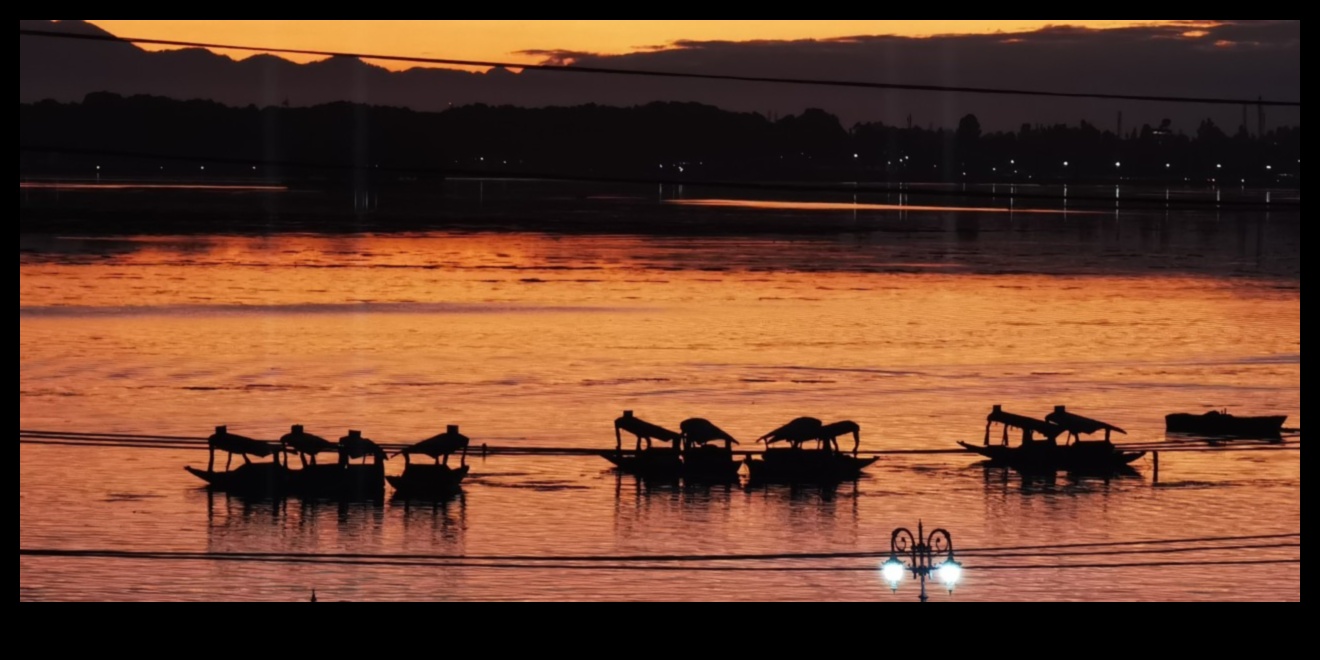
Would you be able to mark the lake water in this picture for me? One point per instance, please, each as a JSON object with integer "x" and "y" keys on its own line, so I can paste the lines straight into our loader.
{"x": 913, "y": 329}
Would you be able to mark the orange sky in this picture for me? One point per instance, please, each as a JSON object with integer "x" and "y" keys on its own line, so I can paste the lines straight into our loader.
{"x": 500, "y": 40}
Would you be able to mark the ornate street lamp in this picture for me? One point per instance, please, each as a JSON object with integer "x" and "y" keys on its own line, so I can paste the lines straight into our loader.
{"x": 921, "y": 552}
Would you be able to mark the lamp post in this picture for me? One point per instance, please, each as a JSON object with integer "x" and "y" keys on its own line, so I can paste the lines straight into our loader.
{"x": 921, "y": 551}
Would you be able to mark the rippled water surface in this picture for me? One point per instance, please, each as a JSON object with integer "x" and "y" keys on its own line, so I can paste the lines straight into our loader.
{"x": 541, "y": 340}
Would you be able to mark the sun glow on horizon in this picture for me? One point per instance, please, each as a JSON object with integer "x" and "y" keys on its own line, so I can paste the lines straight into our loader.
{"x": 531, "y": 42}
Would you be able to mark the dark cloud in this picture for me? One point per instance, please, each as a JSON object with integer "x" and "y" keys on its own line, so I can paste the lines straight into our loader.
{"x": 1236, "y": 59}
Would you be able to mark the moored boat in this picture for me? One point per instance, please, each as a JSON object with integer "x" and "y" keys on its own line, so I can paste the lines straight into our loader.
{"x": 429, "y": 482}
{"x": 266, "y": 479}
{"x": 340, "y": 480}
{"x": 707, "y": 452}
{"x": 1222, "y": 424}
{"x": 646, "y": 460}
{"x": 438, "y": 480}
{"x": 1046, "y": 454}
{"x": 799, "y": 463}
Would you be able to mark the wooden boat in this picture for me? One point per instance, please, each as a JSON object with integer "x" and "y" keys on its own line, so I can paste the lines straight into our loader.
{"x": 798, "y": 463}
{"x": 343, "y": 479}
{"x": 438, "y": 480}
{"x": 1221, "y": 423}
{"x": 646, "y": 460}
{"x": 707, "y": 452}
{"x": 1046, "y": 454}
{"x": 428, "y": 482}
{"x": 250, "y": 479}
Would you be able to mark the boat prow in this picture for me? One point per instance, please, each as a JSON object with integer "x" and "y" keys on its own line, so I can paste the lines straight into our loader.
{"x": 251, "y": 479}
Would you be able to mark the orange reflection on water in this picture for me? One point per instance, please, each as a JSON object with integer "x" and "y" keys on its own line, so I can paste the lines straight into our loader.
{"x": 70, "y": 185}
{"x": 851, "y": 206}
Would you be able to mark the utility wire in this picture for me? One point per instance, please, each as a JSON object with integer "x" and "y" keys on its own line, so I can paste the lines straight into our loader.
{"x": 180, "y": 556}
{"x": 663, "y": 74}
{"x": 671, "y": 558}
{"x": 853, "y": 189}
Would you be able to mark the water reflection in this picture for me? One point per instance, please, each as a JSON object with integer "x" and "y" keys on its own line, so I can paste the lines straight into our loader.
{"x": 780, "y": 205}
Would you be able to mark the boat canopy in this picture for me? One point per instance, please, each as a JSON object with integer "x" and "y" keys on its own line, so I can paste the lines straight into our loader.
{"x": 644, "y": 429}
{"x": 1076, "y": 424}
{"x": 1047, "y": 429}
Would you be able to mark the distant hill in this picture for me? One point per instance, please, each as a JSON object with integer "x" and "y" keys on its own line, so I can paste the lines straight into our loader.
{"x": 1121, "y": 60}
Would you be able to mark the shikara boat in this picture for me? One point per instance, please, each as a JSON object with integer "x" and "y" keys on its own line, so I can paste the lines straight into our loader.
{"x": 1046, "y": 454}
{"x": 437, "y": 480}
{"x": 263, "y": 479}
{"x": 646, "y": 460}
{"x": 824, "y": 463}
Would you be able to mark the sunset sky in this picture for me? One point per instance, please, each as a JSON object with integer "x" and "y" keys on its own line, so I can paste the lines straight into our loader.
{"x": 506, "y": 40}
{"x": 1190, "y": 58}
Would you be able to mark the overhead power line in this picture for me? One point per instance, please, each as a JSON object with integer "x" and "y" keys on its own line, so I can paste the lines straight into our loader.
{"x": 365, "y": 561}
{"x": 1273, "y": 541}
{"x": 662, "y": 74}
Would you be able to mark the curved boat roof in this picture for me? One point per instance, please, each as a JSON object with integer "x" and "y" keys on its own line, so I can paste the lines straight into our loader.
{"x": 644, "y": 429}
{"x": 1040, "y": 426}
{"x": 1077, "y": 424}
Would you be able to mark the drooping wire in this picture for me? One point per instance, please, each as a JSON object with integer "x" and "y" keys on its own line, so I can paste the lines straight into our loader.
{"x": 23, "y": 32}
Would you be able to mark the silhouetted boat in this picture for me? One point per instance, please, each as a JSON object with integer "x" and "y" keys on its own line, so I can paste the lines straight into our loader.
{"x": 798, "y": 463}
{"x": 707, "y": 452}
{"x": 646, "y": 460}
{"x": 438, "y": 480}
{"x": 253, "y": 479}
{"x": 1221, "y": 423}
{"x": 429, "y": 482}
{"x": 340, "y": 480}
{"x": 1046, "y": 454}
{"x": 250, "y": 479}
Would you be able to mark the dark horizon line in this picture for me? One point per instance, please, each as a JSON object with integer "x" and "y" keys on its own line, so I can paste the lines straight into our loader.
{"x": 663, "y": 74}
{"x": 456, "y": 172}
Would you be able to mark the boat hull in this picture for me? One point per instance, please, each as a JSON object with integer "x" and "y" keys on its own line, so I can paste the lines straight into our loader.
{"x": 350, "y": 482}
{"x": 333, "y": 481}
{"x": 709, "y": 464}
{"x": 1078, "y": 457}
{"x": 428, "y": 482}
{"x": 806, "y": 465}
{"x": 1224, "y": 425}
{"x": 250, "y": 479}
